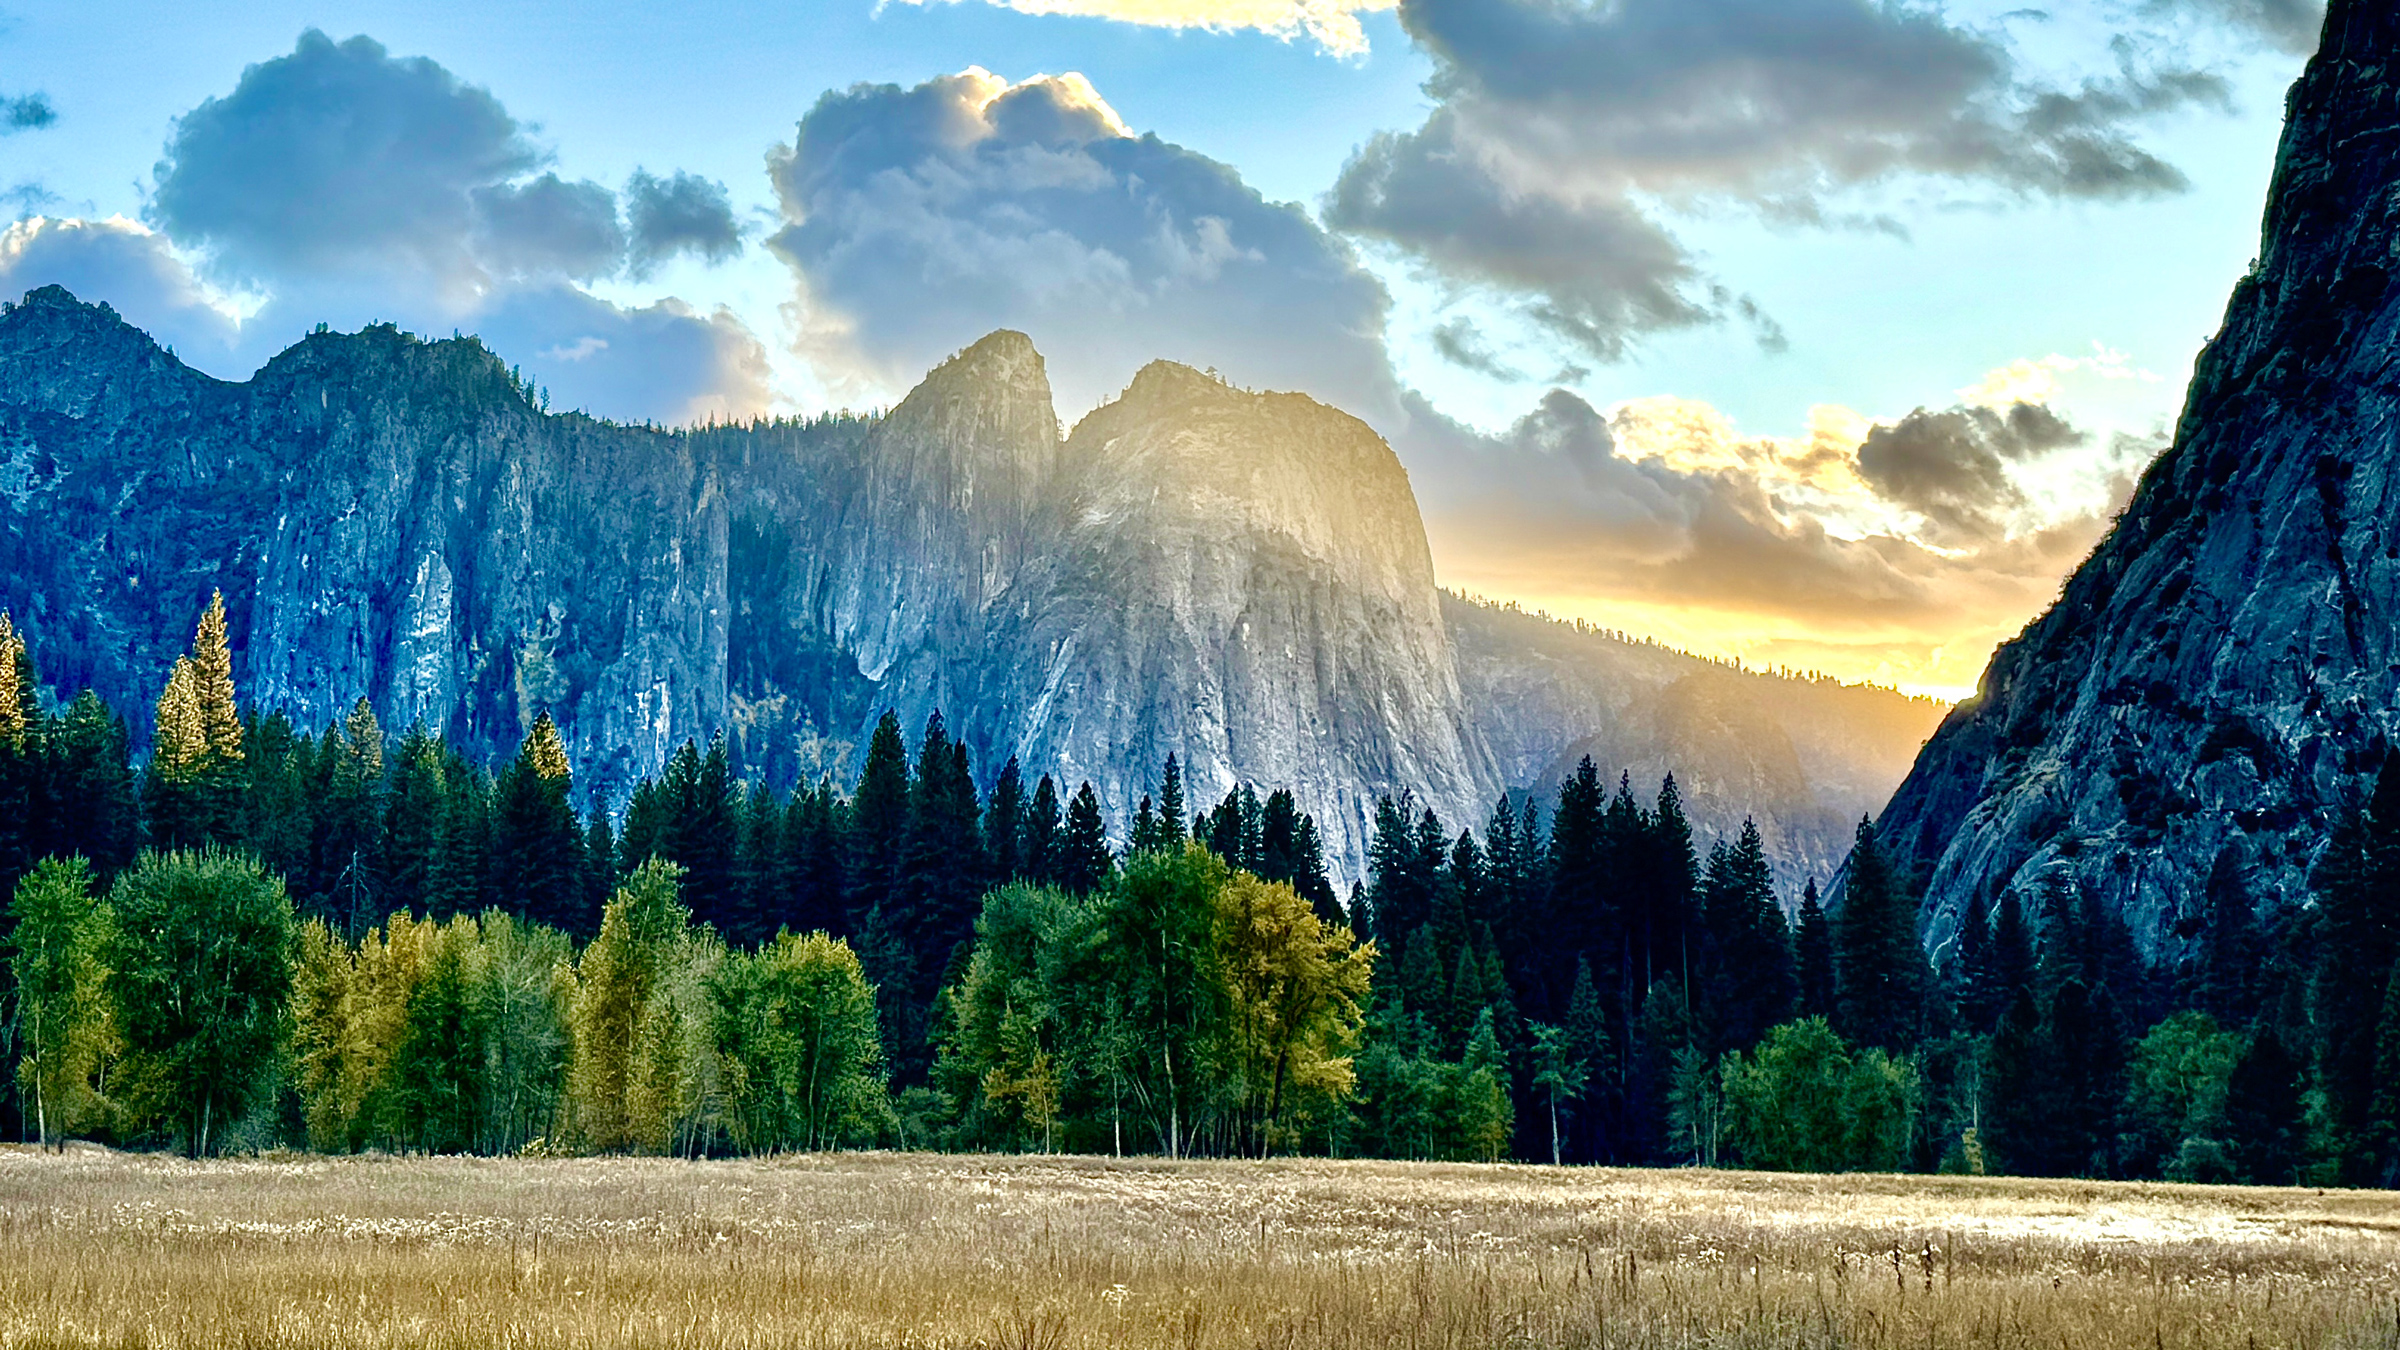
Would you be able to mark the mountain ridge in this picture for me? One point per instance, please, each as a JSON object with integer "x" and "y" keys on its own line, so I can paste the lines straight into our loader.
{"x": 1237, "y": 577}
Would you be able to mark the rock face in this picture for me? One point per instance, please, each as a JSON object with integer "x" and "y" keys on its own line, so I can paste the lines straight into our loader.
{"x": 2224, "y": 672}
{"x": 1238, "y": 578}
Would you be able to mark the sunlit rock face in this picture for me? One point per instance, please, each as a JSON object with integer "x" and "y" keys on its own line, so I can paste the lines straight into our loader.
{"x": 1238, "y": 578}
{"x": 2224, "y": 672}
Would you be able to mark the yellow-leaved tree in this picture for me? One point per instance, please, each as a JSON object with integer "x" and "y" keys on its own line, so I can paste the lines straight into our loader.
{"x": 1295, "y": 989}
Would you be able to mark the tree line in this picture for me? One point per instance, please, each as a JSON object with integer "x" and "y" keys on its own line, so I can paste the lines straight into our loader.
{"x": 350, "y": 939}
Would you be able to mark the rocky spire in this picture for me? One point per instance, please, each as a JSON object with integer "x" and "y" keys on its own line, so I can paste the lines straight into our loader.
{"x": 2225, "y": 670}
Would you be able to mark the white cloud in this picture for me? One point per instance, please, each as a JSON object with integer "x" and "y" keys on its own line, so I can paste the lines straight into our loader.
{"x": 1331, "y": 24}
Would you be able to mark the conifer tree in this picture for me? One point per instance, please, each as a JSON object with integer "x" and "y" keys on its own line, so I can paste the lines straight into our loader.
{"x": 412, "y": 820}
{"x": 92, "y": 810}
{"x": 1814, "y": 945}
{"x": 1043, "y": 841}
{"x": 878, "y": 822}
{"x": 1664, "y": 915}
{"x": 1171, "y": 820}
{"x": 599, "y": 860}
{"x": 1309, "y": 876}
{"x": 1584, "y": 918}
{"x": 175, "y": 791}
{"x": 212, "y": 687}
{"x": 1004, "y": 825}
{"x": 2228, "y": 955}
{"x": 537, "y": 859}
{"x": 462, "y": 869}
{"x": 1878, "y": 967}
{"x": 812, "y": 840}
{"x": 348, "y": 812}
{"x": 1752, "y": 982}
{"x": 1084, "y": 860}
{"x": 1589, "y": 1042}
{"x": 1980, "y": 1001}
{"x": 2263, "y": 1111}
{"x": 1144, "y": 836}
{"x": 2012, "y": 952}
{"x": 697, "y": 835}
{"x": 941, "y": 866}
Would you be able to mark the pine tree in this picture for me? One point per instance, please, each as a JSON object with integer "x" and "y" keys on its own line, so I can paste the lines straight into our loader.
{"x": 1584, "y": 917}
{"x": 940, "y": 864}
{"x": 412, "y": 821}
{"x": 1589, "y": 1041}
{"x": 1665, "y": 904}
{"x": 2012, "y": 952}
{"x": 1878, "y": 967}
{"x": 1042, "y": 840}
{"x": 348, "y": 810}
{"x": 1753, "y": 984}
{"x": 1004, "y": 826}
{"x": 878, "y": 821}
{"x": 212, "y": 686}
{"x": 1309, "y": 876}
{"x": 1170, "y": 803}
{"x": 812, "y": 841}
{"x": 1144, "y": 836}
{"x": 537, "y": 858}
{"x": 599, "y": 860}
{"x": 174, "y": 791}
{"x": 93, "y": 814}
{"x": 1084, "y": 860}
{"x": 1815, "y": 950}
{"x": 698, "y": 835}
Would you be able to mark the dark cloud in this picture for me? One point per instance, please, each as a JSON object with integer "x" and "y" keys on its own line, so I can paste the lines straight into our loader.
{"x": 1462, "y": 344}
{"x": 2292, "y": 25}
{"x": 1565, "y": 132}
{"x": 335, "y": 155}
{"x": 921, "y": 218}
{"x": 549, "y": 226}
{"x": 678, "y": 215}
{"x": 347, "y": 186}
{"x": 26, "y": 112}
{"x": 1953, "y": 467}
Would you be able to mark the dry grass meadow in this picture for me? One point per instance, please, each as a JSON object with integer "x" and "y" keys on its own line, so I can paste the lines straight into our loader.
{"x": 100, "y": 1249}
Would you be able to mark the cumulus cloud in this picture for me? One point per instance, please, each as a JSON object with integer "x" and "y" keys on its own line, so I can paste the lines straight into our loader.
{"x": 919, "y": 219}
{"x": 1565, "y": 134}
{"x": 1953, "y": 467}
{"x": 335, "y": 155}
{"x": 1902, "y": 550}
{"x": 548, "y": 226}
{"x": 339, "y": 184}
{"x": 1331, "y": 24}
{"x": 684, "y": 214}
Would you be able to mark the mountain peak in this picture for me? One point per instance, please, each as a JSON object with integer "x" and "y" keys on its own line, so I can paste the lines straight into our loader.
{"x": 2218, "y": 680}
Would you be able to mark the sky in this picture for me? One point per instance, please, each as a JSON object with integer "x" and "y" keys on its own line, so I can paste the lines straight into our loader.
{"x": 1821, "y": 334}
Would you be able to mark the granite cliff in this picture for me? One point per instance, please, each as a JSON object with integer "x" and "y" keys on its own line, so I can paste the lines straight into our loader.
{"x": 1239, "y": 578}
{"x": 2223, "y": 674}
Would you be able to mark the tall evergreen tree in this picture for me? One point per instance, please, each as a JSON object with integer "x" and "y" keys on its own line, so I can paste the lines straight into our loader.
{"x": 1084, "y": 860}
{"x": 2264, "y": 1112}
{"x": 699, "y": 835}
{"x": 1980, "y": 1000}
{"x": 1170, "y": 802}
{"x": 1878, "y": 967}
{"x": 1004, "y": 825}
{"x": 413, "y": 812}
{"x": 1814, "y": 947}
{"x": 2012, "y": 952}
{"x": 2228, "y": 951}
{"x": 92, "y": 811}
{"x": 537, "y": 858}
{"x": 878, "y": 821}
{"x": 812, "y": 841}
{"x": 1042, "y": 839}
{"x": 1752, "y": 983}
{"x": 1664, "y": 903}
{"x": 941, "y": 858}
{"x": 1584, "y": 917}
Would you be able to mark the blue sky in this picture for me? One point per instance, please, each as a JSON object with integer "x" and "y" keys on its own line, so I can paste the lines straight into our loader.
{"x": 1684, "y": 314}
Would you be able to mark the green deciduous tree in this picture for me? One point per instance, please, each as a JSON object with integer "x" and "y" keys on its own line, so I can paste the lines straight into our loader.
{"x": 201, "y": 970}
{"x": 1804, "y": 1101}
{"x": 794, "y": 1025}
{"x": 60, "y": 941}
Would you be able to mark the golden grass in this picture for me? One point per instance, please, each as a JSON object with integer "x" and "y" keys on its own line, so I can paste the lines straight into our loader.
{"x": 880, "y": 1250}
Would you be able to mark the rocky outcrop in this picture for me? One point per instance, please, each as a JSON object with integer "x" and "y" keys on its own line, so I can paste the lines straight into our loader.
{"x": 1238, "y": 578}
{"x": 2224, "y": 672}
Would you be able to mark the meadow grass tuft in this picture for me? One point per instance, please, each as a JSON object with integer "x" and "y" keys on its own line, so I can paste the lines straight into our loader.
{"x": 979, "y": 1253}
